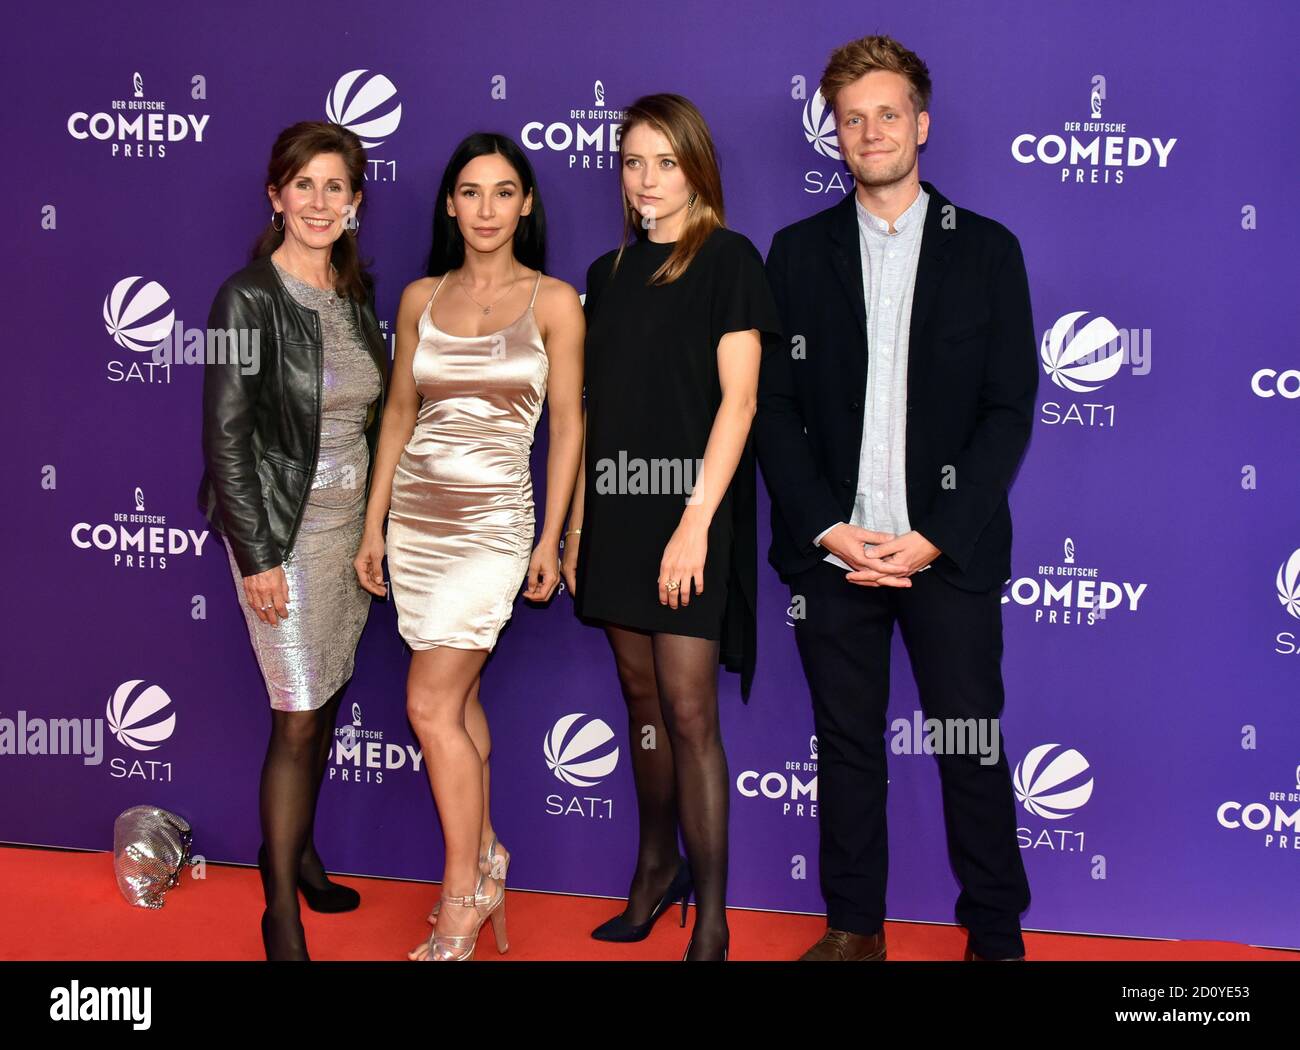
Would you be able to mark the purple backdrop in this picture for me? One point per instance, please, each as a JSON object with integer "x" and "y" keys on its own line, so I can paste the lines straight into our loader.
{"x": 1141, "y": 156}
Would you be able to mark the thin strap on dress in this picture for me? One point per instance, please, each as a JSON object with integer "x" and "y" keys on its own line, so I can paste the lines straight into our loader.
{"x": 536, "y": 285}
{"x": 425, "y": 316}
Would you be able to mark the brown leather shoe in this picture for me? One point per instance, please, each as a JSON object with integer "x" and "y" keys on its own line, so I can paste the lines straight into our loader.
{"x": 842, "y": 946}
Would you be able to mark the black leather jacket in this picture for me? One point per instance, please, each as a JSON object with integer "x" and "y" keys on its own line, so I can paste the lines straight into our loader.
{"x": 261, "y": 431}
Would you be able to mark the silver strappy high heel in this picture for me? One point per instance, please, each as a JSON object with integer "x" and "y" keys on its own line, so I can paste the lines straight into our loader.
{"x": 497, "y": 860}
{"x": 460, "y": 947}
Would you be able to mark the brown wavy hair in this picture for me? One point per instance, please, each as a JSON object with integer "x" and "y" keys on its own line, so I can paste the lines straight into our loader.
{"x": 860, "y": 57}
{"x": 677, "y": 119}
{"x": 294, "y": 148}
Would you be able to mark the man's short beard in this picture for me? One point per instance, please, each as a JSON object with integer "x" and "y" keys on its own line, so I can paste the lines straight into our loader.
{"x": 895, "y": 175}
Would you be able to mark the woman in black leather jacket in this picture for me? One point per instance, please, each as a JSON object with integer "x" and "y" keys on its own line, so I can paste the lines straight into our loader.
{"x": 287, "y": 444}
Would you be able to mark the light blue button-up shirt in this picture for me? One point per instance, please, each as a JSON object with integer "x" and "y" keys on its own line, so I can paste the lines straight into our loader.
{"x": 889, "y": 262}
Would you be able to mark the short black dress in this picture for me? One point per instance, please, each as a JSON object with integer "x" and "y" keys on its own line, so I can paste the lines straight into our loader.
{"x": 652, "y": 395}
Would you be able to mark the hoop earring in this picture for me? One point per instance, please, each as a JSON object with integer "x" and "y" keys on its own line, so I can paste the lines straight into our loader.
{"x": 691, "y": 203}
{"x": 280, "y": 228}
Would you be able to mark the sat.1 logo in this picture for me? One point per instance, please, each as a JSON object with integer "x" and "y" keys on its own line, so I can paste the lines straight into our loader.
{"x": 580, "y": 751}
{"x": 1052, "y": 783}
{"x": 141, "y": 720}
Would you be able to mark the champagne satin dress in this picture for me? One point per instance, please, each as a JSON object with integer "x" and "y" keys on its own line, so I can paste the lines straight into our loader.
{"x": 460, "y": 526}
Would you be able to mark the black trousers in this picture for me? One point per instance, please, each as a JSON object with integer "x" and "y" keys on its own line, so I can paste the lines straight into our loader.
{"x": 954, "y": 642}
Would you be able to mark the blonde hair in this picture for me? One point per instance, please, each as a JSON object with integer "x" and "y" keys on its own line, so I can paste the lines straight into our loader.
{"x": 677, "y": 119}
{"x": 860, "y": 57}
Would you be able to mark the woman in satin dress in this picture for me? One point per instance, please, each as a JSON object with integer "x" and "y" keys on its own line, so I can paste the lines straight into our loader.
{"x": 482, "y": 344}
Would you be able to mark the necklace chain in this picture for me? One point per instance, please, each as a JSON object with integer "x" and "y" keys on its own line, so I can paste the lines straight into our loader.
{"x": 488, "y": 309}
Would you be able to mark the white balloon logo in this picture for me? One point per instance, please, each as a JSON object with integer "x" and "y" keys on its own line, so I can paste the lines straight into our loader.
{"x": 819, "y": 127}
{"x": 1288, "y": 584}
{"x": 585, "y": 758}
{"x": 1060, "y": 358}
{"x": 131, "y": 314}
{"x": 132, "y": 718}
{"x": 1056, "y": 789}
{"x": 367, "y": 111}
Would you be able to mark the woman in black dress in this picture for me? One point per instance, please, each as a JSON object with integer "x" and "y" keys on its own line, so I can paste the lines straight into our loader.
{"x": 661, "y": 546}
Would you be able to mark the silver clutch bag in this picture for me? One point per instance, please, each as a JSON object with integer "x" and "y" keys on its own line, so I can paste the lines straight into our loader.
{"x": 150, "y": 847}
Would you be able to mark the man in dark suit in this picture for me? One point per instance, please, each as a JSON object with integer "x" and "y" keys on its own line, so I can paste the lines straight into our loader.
{"x": 889, "y": 430}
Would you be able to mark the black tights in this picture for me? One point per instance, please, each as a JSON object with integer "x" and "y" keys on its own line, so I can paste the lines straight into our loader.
{"x": 296, "y": 757}
{"x": 670, "y": 684}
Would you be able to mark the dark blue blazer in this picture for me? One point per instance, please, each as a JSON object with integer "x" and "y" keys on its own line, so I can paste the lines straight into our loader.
{"x": 972, "y": 377}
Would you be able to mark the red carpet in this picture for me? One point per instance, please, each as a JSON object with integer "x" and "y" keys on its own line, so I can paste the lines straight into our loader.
{"x": 66, "y": 905}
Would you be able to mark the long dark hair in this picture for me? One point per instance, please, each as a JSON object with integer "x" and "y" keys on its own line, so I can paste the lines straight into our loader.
{"x": 448, "y": 250}
{"x": 294, "y": 148}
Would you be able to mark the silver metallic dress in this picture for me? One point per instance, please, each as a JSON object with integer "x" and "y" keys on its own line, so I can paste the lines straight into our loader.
{"x": 310, "y": 655}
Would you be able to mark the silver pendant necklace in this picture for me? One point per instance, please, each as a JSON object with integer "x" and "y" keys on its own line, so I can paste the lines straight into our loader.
{"x": 488, "y": 309}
